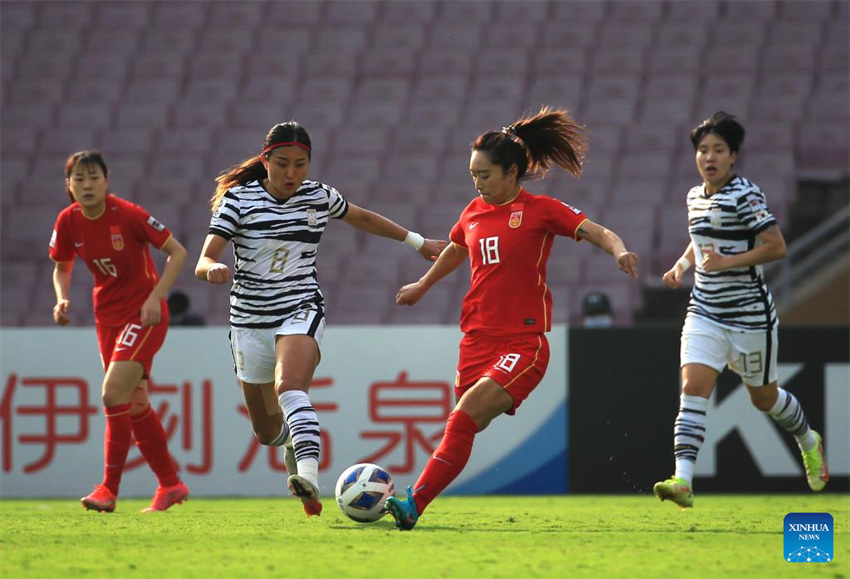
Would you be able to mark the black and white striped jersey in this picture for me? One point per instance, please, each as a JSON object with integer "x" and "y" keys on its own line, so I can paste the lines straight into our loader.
{"x": 729, "y": 222}
{"x": 275, "y": 244}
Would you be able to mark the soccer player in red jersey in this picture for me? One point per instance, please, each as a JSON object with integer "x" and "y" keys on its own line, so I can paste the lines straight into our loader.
{"x": 111, "y": 236}
{"x": 506, "y": 234}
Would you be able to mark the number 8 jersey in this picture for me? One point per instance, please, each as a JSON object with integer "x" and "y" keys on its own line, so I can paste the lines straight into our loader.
{"x": 509, "y": 246}
{"x": 275, "y": 244}
{"x": 115, "y": 248}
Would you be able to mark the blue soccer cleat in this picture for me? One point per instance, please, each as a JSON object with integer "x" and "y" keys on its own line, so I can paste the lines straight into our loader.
{"x": 404, "y": 512}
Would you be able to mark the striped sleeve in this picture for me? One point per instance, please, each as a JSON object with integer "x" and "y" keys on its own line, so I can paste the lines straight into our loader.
{"x": 225, "y": 219}
{"x": 337, "y": 204}
{"x": 752, "y": 210}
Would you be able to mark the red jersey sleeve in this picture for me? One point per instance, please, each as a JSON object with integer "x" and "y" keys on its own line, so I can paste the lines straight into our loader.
{"x": 456, "y": 234}
{"x": 148, "y": 228}
{"x": 61, "y": 246}
{"x": 562, "y": 218}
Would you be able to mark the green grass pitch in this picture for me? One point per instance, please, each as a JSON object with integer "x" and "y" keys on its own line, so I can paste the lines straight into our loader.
{"x": 734, "y": 536}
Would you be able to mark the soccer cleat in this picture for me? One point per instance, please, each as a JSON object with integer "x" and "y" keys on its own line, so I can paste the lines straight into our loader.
{"x": 101, "y": 499}
{"x": 817, "y": 471}
{"x": 307, "y": 492}
{"x": 164, "y": 497}
{"x": 677, "y": 490}
{"x": 289, "y": 457}
{"x": 404, "y": 512}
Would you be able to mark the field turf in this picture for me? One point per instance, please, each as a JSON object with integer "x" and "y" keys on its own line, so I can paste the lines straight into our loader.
{"x": 734, "y": 536}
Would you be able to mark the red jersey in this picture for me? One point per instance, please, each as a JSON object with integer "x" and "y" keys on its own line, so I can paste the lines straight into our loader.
{"x": 509, "y": 246}
{"x": 115, "y": 249}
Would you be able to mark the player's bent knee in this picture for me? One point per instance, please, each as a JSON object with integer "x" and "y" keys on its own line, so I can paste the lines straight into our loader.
{"x": 265, "y": 437}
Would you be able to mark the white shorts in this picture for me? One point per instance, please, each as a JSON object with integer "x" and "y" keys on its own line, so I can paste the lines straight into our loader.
{"x": 254, "y": 348}
{"x": 751, "y": 355}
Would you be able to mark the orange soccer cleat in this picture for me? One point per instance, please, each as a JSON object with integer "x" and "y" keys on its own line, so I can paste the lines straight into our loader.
{"x": 307, "y": 492}
{"x": 101, "y": 499}
{"x": 167, "y": 496}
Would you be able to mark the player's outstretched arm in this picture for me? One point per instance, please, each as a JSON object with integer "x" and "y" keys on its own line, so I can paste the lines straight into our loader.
{"x": 62, "y": 285}
{"x": 449, "y": 260}
{"x": 673, "y": 277}
{"x": 377, "y": 224}
{"x": 611, "y": 243}
{"x": 151, "y": 313}
{"x": 208, "y": 267}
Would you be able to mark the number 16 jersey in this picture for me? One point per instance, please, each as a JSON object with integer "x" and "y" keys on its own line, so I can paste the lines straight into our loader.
{"x": 115, "y": 248}
{"x": 509, "y": 246}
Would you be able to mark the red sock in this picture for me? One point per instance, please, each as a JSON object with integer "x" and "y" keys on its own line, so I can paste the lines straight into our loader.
{"x": 116, "y": 444}
{"x": 153, "y": 444}
{"x": 448, "y": 460}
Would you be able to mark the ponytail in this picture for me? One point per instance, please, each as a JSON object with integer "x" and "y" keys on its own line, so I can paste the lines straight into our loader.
{"x": 534, "y": 143}
{"x": 282, "y": 134}
{"x": 249, "y": 170}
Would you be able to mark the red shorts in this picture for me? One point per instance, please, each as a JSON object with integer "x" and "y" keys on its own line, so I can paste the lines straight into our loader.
{"x": 517, "y": 364}
{"x": 131, "y": 342}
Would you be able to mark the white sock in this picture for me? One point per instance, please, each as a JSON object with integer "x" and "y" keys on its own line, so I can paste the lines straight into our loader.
{"x": 788, "y": 413}
{"x": 303, "y": 423}
{"x": 688, "y": 434}
{"x": 281, "y": 438}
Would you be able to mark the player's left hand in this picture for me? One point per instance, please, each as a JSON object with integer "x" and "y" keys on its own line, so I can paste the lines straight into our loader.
{"x": 151, "y": 312}
{"x": 432, "y": 248}
{"x": 713, "y": 261}
{"x": 627, "y": 262}
{"x": 410, "y": 294}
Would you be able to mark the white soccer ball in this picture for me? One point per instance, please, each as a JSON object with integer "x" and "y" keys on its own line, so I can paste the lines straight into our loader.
{"x": 362, "y": 490}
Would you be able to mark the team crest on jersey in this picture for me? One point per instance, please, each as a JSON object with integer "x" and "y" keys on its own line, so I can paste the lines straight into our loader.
{"x": 515, "y": 219}
{"x": 311, "y": 218}
{"x": 155, "y": 224}
{"x": 117, "y": 238}
{"x": 715, "y": 217}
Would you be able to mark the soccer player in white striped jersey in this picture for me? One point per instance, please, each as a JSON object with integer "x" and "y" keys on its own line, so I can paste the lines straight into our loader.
{"x": 731, "y": 317}
{"x": 275, "y": 217}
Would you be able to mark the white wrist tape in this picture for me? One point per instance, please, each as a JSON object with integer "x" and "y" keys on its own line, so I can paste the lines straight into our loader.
{"x": 414, "y": 240}
{"x": 684, "y": 263}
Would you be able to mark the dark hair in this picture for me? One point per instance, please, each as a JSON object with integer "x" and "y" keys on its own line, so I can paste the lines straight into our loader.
{"x": 532, "y": 143}
{"x": 85, "y": 158}
{"x": 723, "y": 125}
{"x": 178, "y": 302}
{"x": 595, "y": 303}
{"x": 252, "y": 169}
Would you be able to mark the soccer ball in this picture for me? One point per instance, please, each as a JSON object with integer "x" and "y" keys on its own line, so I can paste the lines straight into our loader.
{"x": 362, "y": 490}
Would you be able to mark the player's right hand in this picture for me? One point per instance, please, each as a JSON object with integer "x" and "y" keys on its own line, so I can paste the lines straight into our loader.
{"x": 432, "y": 248}
{"x": 60, "y": 312}
{"x": 218, "y": 273}
{"x": 673, "y": 278}
{"x": 410, "y": 294}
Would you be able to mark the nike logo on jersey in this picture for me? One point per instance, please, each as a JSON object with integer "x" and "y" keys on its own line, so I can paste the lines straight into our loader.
{"x": 473, "y": 225}
{"x": 78, "y": 244}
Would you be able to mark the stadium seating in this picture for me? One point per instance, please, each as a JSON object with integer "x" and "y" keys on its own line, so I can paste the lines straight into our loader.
{"x": 393, "y": 93}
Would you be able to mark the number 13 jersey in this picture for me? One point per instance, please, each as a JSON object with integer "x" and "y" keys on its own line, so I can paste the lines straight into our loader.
{"x": 509, "y": 246}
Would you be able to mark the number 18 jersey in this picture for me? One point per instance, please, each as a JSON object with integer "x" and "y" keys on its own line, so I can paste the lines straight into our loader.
{"x": 509, "y": 246}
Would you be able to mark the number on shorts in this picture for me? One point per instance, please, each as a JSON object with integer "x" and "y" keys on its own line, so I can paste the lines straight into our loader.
{"x": 752, "y": 363}
{"x": 129, "y": 336}
{"x": 508, "y": 362}
{"x": 279, "y": 260}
